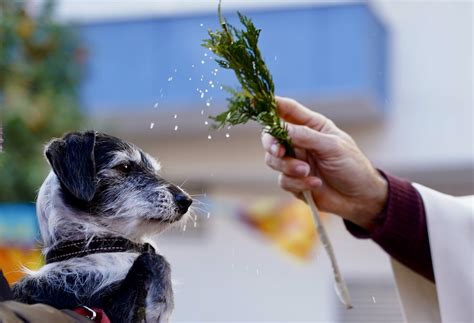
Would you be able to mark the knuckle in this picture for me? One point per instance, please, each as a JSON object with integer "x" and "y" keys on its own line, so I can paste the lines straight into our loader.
{"x": 281, "y": 181}
{"x": 273, "y": 162}
{"x": 267, "y": 141}
{"x": 284, "y": 183}
{"x": 268, "y": 159}
{"x": 329, "y": 123}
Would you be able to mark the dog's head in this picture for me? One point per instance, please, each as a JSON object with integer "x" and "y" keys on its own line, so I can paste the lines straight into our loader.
{"x": 112, "y": 184}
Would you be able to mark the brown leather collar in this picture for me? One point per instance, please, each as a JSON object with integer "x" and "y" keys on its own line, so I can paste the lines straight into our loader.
{"x": 80, "y": 248}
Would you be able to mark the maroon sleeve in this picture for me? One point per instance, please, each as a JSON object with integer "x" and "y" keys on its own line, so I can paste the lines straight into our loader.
{"x": 401, "y": 228}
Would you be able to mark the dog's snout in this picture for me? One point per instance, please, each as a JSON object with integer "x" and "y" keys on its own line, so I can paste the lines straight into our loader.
{"x": 183, "y": 202}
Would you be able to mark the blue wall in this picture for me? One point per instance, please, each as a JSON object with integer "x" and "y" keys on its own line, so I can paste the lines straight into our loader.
{"x": 18, "y": 224}
{"x": 313, "y": 52}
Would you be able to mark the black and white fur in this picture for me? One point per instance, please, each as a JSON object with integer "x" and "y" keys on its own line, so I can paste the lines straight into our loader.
{"x": 102, "y": 186}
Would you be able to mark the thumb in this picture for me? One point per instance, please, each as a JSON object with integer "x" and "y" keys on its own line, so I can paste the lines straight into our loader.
{"x": 294, "y": 112}
{"x": 310, "y": 139}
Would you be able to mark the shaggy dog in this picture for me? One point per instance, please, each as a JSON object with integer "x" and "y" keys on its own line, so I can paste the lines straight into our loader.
{"x": 99, "y": 203}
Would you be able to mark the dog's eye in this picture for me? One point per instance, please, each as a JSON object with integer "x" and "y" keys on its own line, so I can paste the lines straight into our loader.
{"x": 124, "y": 168}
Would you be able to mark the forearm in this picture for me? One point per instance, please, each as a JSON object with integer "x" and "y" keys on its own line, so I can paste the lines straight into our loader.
{"x": 401, "y": 229}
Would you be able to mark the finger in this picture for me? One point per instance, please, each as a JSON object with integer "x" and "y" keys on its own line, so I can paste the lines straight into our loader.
{"x": 299, "y": 185}
{"x": 301, "y": 154}
{"x": 271, "y": 145}
{"x": 294, "y": 112}
{"x": 307, "y": 138}
{"x": 287, "y": 165}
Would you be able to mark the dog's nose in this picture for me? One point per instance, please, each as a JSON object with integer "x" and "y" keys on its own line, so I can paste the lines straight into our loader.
{"x": 183, "y": 202}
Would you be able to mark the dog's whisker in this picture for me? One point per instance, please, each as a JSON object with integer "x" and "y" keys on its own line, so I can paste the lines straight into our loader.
{"x": 198, "y": 202}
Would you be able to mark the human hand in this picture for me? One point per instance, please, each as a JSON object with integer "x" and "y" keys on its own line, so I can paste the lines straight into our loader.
{"x": 329, "y": 164}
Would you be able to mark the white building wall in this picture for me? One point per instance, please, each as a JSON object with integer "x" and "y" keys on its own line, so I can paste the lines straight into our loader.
{"x": 430, "y": 118}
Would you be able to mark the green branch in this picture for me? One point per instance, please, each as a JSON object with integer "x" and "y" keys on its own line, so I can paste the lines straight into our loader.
{"x": 255, "y": 100}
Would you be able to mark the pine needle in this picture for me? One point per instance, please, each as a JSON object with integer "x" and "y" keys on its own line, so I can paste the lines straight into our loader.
{"x": 255, "y": 100}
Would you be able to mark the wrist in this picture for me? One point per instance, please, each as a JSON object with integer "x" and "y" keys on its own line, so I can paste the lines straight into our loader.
{"x": 372, "y": 205}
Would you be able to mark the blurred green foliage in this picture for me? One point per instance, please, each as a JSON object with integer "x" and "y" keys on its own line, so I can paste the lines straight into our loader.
{"x": 40, "y": 73}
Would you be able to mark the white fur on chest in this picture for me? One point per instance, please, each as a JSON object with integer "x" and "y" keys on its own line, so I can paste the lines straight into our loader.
{"x": 95, "y": 271}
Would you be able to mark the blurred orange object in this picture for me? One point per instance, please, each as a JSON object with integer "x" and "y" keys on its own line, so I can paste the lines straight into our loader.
{"x": 18, "y": 240}
{"x": 288, "y": 224}
{"x": 12, "y": 259}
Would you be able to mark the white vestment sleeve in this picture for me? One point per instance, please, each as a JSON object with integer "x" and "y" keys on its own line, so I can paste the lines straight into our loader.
{"x": 451, "y": 233}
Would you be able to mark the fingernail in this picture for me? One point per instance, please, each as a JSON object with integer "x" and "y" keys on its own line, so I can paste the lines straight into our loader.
{"x": 302, "y": 170}
{"x": 274, "y": 149}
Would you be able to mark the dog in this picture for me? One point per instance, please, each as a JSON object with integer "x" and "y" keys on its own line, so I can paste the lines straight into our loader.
{"x": 103, "y": 198}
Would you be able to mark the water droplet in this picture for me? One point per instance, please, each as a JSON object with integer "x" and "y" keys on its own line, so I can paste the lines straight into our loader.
{"x": 202, "y": 62}
{"x": 156, "y": 105}
{"x": 184, "y": 227}
{"x": 201, "y": 25}
{"x": 176, "y": 128}
{"x": 192, "y": 66}
{"x": 210, "y": 82}
{"x": 205, "y": 90}
{"x": 170, "y": 79}
{"x": 276, "y": 58}
{"x": 228, "y": 128}
{"x": 206, "y": 122}
{"x": 176, "y": 116}
{"x": 227, "y": 135}
{"x": 175, "y": 70}
{"x": 221, "y": 87}
{"x": 373, "y": 298}
{"x": 202, "y": 112}
{"x": 216, "y": 70}
{"x": 208, "y": 104}
{"x": 205, "y": 54}
{"x": 208, "y": 215}
{"x": 212, "y": 85}
{"x": 190, "y": 78}
{"x": 202, "y": 95}
{"x": 209, "y": 137}
{"x": 210, "y": 48}
{"x": 195, "y": 224}
{"x": 152, "y": 125}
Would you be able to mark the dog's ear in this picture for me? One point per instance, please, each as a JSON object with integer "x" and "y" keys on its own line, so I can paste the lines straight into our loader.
{"x": 72, "y": 160}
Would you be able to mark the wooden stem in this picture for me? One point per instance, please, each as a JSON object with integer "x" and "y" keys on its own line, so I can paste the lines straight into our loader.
{"x": 340, "y": 285}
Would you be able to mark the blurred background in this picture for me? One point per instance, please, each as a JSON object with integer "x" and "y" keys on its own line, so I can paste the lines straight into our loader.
{"x": 396, "y": 75}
